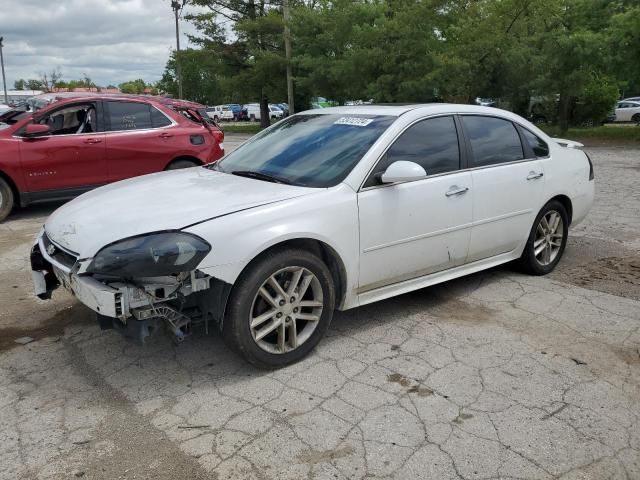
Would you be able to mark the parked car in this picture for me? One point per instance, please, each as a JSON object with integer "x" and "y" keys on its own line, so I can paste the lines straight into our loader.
{"x": 284, "y": 107}
{"x": 227, "y": 113}
{"x": 626, "y": 111}
{"x": 485, "y": 102}
{"x": 215, "y": 113}
{"x": 75, "y": 144}
{"x": 253, "y": 112}
{"x": 4, "y": 108}
{"x": 331, "y": 208}
{"x": 631, "y": 99}
{"x": 236, "y": 110}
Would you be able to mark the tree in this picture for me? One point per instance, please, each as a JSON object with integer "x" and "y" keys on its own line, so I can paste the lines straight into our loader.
{"x": 20, "y": 84}
{"x": 133, "y": 86}
{"x": 48, "y": 81}
{"x": 254, "y": 56}
{"x": 199, "y": 80}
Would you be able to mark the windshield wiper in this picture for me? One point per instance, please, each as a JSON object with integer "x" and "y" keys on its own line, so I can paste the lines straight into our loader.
{"x": 261, "y": 176}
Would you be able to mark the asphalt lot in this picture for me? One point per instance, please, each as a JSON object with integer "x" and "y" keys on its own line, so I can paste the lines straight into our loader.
{"x": 497, "y": 375}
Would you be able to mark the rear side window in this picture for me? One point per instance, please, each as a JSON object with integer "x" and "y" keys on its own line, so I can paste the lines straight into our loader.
{"x": 159, "y": 119}
{"x": 431, "y": 143}
{"x": 493, "y": 140}
{"x": 539, "y": 147}
{"x": 128, "y": 116}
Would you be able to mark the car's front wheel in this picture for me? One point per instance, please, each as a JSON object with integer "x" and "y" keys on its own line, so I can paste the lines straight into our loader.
{"x": 547, "y": 239}
{"x": 280, "y": 308}
{"x": 6, "y": 199}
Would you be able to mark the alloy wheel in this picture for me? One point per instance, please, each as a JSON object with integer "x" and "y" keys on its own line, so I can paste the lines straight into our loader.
{"x": 548, "y": 239}
{"x": 286, "y": 310}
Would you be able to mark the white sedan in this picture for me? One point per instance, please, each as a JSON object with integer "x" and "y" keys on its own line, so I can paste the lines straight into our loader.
{"x": 328, "y": 209}
{"x": 627, "y": 111}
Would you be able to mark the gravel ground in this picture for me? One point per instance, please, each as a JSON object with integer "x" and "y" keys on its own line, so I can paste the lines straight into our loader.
{"x": 497, "y": 375}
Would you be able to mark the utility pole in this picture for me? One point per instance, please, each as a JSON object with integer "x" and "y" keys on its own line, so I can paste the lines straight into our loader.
{"x": 177, "y": 6}
{"x": 4, "y": 79}
{"x": 287, "y": 54}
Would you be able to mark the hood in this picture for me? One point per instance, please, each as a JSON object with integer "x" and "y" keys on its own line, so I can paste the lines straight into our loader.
{"x": 161, "y": 201}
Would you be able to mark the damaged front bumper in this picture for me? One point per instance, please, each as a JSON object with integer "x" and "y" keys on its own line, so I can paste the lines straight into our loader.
{"x": 136, "y": 310}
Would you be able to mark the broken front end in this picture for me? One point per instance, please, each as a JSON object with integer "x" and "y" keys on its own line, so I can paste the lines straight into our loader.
{"x": 138, "y": 285}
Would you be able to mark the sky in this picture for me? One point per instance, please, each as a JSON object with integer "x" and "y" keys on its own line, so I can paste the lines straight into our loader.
{"x": 111, "y": 41}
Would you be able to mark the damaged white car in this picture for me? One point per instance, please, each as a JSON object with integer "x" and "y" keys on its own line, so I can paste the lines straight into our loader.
{"x": 328, "y": 209}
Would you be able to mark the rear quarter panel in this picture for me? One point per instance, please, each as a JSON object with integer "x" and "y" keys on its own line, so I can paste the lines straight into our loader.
{"x": 567, "y": 173}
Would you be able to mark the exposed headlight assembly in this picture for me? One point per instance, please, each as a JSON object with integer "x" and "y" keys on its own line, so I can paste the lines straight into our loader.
{"x": 150, "y": 255}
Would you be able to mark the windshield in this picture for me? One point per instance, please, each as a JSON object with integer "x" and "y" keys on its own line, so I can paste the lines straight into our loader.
{"x": 308, "y": 150}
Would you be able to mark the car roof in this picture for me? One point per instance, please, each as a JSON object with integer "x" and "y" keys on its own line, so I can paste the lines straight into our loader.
{"x": 399, "y": 109}
{"x": 62, "y": 98}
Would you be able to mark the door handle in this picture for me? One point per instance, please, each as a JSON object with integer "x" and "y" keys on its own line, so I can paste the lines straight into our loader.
{"x": 534, "y": 175}
{"x": 166, "y": 135}
{"x": 455, "y": 190}
{"x": 92, "y": 141}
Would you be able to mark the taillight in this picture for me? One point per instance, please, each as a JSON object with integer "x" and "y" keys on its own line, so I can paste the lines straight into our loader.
{"x": 218, "y": 134}
{"x": 591, "y": 175}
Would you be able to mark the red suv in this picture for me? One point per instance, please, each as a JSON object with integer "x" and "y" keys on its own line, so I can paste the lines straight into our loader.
{"x": 77, "y": 143}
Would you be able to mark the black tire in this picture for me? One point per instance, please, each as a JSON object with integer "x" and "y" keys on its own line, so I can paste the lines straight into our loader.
{"x": 636, "y": 118}
{"x": 6, "y": 199}
{"x": 528, "y": 261}
{"x": 236, "y": 328}
{"x": 215, "y": 118}
{"x": 178, "y": 164}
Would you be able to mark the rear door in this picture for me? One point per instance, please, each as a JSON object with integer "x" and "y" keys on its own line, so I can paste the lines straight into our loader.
{"x": 140, "y": 139}
{"x": 508, "y": 185}
{"x": 72, "y": 157}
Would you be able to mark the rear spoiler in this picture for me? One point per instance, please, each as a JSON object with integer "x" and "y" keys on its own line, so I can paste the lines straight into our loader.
{"x": 568, "y": 143}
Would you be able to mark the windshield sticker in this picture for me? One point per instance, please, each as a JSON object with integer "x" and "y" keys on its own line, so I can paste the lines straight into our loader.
{"x": 353, "y": 121}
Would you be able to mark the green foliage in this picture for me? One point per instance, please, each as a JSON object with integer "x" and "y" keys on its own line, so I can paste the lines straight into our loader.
{"x": 133, "y": 86}
{"x": 30, "y": 84}
{"x": 576, "y": 54}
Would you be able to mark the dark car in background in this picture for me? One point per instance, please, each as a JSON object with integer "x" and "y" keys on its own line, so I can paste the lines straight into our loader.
{"x": 59, "y": 148}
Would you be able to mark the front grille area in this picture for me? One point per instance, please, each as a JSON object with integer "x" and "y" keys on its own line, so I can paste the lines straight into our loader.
{"x": 58, "y": 254}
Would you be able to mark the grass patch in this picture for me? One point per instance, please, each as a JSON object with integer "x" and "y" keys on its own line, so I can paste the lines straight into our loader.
{"x": 241, "y": 127}
{"x": 607, "y": 134}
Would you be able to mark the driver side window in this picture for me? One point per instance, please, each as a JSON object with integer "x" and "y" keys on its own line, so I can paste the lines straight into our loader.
{"x": 431, "y": 143}
{"x": 72, "y": 120}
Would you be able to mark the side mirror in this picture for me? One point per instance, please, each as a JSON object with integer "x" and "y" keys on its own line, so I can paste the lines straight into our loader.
{"x": 34, "y": 130}
{"x": 402, "y": 171}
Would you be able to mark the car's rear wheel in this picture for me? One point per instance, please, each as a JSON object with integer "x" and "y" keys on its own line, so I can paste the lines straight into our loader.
{"x": 184, "y": 163}
{"x": 6, "y": 199}
{"x": 547, "y": 240}
{"x": 280, "y": 308}
{"x": 636, "y": 118}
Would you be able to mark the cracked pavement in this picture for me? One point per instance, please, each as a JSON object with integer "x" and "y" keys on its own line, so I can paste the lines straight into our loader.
{"x": 494, "y": 376}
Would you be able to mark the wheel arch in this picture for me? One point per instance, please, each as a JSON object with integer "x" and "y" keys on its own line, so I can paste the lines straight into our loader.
{"x": 12, "y": 184}
{"x": 566, "y": 203}
{"x": 323, "y": 250}
{"x": 189, "y": 158}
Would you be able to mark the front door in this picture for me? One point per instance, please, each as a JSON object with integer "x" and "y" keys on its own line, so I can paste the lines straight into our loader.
{"x": 72, "y": 156}
{"x": 412, "y": 229}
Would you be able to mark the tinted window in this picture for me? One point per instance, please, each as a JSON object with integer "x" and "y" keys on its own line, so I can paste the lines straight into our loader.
{"x": 431, "y": 143}
{"x": 159, "y": 119}
{"x": 317, "y": 150}
{"x": 539, "y": 147}
{"x": 493, "y": 140}
{"x": 128, "y": 116}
